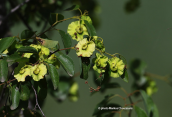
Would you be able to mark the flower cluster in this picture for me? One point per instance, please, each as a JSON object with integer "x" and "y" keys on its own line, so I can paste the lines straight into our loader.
{"x": 86, "y": 47}
{"x": 38, "y": 70}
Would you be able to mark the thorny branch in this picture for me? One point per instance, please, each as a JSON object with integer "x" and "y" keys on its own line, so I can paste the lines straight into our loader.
{"x": 37, "y": 104}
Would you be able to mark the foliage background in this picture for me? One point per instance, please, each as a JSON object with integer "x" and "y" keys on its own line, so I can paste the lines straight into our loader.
{"x": 141, "y": 34}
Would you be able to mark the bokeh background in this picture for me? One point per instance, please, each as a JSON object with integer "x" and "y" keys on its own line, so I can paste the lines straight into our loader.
{"x": 139, "y": 30}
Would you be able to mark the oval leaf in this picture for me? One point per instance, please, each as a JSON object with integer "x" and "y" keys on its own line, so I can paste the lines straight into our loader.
{"x": 3, "y": 70}
{"x": 66, "y": 62}
{"x": 67, "y": 42}
{"x": 90, "y": 28}
{"x": 27, "y": 34}
{"x": 85, "y": 67}
{"x": 149, "y": 104}
{"x": 140, "y": 112}
{"x": 54, "y": 18}
{"x": 74, "y": 7}
{"x": 6, "y": 42}
{"x": 27, "y": 49}
{"x": 54, "y": 75}
{"x": 48, "y": 43}
{"x": 125, "y": 76}
{"x": 25, "y": 93}
{"x": 15, "y": 98}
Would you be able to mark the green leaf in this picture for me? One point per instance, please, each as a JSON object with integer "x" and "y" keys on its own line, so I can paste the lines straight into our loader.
{"x": 27, "y": 34}
{"x": 67, "y": 42}
{"x": 25, "y": 92}
{"x": 3, "y": 70}
{"x": 155, "y": 111}
{"x": 6, "y": 43}
{"x": 15, "y": 98}
{"x": 49, "y": 43}
{"x": 12, "y": 58}
{"x": 125, "y": 76}
{"x": 66, "y": 62}
{"x": 74, "y": 7}
{"x": 42, "y": 89}
{"x": 90, "y": 28}
{"x": 27, "y": 49}
{"x": 54, "y": 75}
{"x": 97, "y": 79}
{"x": 54, "y": 17}
{"x": 149, "y": 104}
{"x": 140, "y": 112}
{"x": 85, "y": 67}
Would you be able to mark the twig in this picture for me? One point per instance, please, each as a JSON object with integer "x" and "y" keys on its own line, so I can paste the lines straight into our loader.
{"x": 20, "y": 15}
{"x": 54, "y": 25}
{"x": 60, "y": 50}
{"x": 37, "y": 101}
{"x": 164, "y": 78}
{"x": 8, "y": 81}
{"x": 14, "y": 10}
{"x": 129, "y": 114}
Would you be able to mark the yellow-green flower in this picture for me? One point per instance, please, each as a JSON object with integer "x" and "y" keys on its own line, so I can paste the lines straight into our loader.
{"x": 100, "y": 63}
{"x": 116, "y": 67}
{"x": 45, "y": 51}
{"x": 77, "y": 30}
{"x": 53, "y": 60}
{"x": 99, "y": 44}
{"x": 25, "y": 71}
{"x": 38, "y": 72}
{"x": 85, "y": 48}
{"x": 87, "y": 18}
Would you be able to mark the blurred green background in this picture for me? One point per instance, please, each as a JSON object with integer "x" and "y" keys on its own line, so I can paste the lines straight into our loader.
{"x": 141, "y": 34}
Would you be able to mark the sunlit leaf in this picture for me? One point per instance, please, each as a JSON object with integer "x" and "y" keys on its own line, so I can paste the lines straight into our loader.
{"x": 49, "y": 43}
